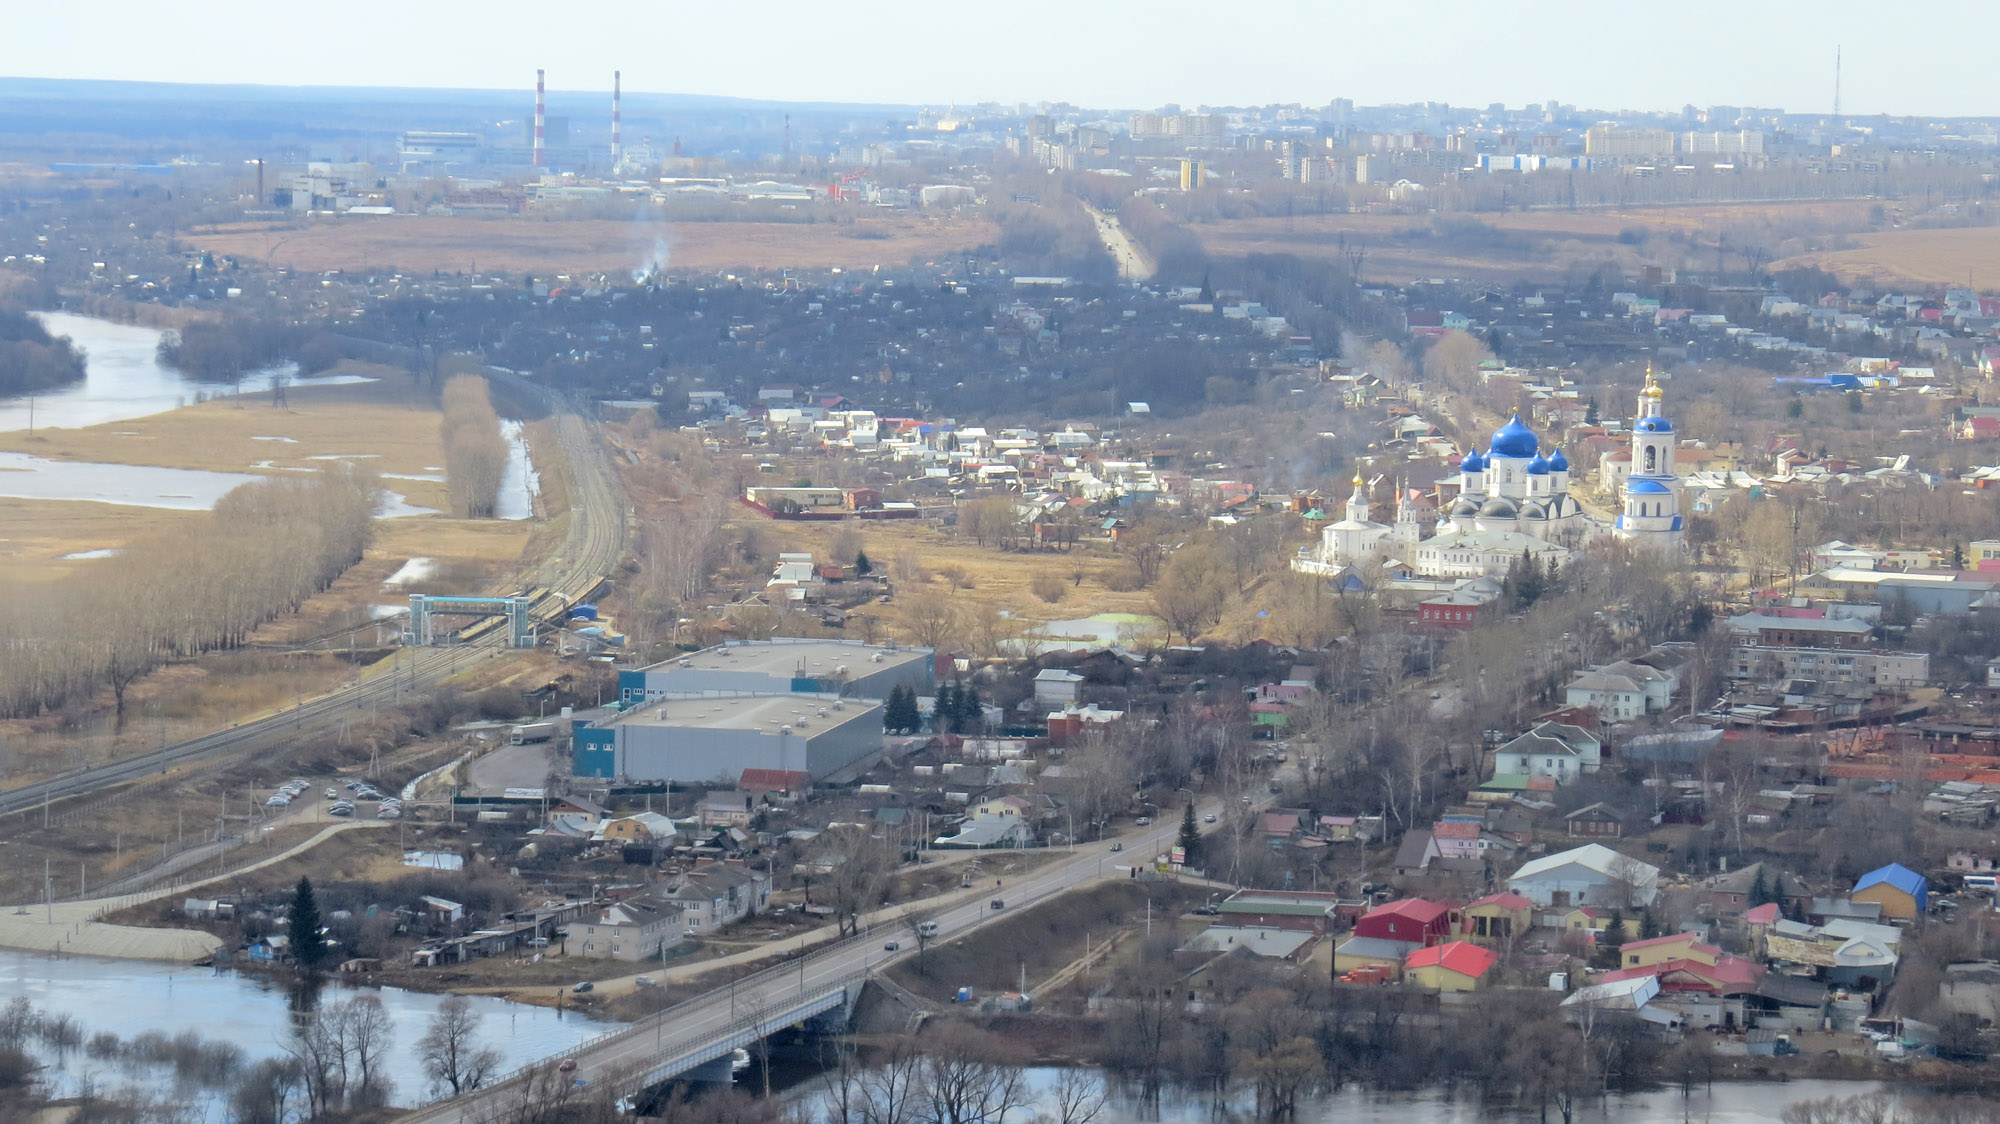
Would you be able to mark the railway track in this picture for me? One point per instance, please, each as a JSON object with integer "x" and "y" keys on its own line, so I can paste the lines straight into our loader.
{"x": 592, "y": 549}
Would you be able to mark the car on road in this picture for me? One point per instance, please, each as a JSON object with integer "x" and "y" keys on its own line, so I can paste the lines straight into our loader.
{"x": 1209, "y": 818}
{"x": 1118, "y": 846}
{"x": 583, "y": 987}
{"x": 1144, "y": 821}
{"x": 998, "y": 904}
{"x": 568, "y": 1066}
{"x": 892, "y": 946}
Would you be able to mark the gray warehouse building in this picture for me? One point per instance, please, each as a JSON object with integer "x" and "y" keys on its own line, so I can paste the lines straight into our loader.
{"x": 783, "y": 665}
{"x": 715, "y": 737}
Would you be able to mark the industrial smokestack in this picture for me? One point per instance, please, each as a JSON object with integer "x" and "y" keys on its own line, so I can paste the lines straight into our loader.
{"x": 614, "y": 120}
{"x": 538, "y": 119}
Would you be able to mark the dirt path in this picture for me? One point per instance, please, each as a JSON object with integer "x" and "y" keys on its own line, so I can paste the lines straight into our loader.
{"x": 72, "y": 928}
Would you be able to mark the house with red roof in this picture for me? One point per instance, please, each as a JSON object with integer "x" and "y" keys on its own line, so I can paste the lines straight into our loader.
{"x": 1412, "y": 920}
{"x": 1452, "y": 966}
{"x": 1456, "y": 839}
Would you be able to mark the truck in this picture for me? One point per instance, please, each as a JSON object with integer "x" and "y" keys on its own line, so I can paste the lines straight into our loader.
{"x": 531, "y": 732}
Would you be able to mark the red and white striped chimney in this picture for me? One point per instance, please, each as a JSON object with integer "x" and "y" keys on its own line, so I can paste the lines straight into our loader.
{"x": 538, "y": 119}
{"x": 614, "y": 120}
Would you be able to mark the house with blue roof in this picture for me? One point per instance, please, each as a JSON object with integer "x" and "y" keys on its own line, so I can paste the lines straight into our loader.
{"x": 1900, "y": 891}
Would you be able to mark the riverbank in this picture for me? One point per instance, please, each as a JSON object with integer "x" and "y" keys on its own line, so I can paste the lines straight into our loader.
{"x": 74, "y": 928}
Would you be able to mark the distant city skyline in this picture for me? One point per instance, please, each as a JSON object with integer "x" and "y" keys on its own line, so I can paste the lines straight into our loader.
{"x": 1108, "y": 54}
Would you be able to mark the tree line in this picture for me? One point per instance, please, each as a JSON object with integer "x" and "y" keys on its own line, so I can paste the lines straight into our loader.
{"x": 226, "y": 349}
{"x": 475, "y": 454}
{"x": 31, "y": 359}
{"x": 265, "y": 548}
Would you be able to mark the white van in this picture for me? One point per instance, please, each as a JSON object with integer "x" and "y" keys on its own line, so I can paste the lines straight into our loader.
{"x": 927, "y": 928}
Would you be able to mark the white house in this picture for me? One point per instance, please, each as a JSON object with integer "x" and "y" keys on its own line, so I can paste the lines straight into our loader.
{"x": 1592, "y": 874}
{"x": 634, "y": 929}
{"x": 1055, "y": 686}
{"x": 1615, "y": 697}
{"x": 1552, "y": 749}
{"x": 717, "y": 895}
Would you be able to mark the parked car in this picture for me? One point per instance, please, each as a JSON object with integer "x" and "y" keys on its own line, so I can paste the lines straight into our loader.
{"x": 1209, "y": 818}
{"x": 583, "y": 987}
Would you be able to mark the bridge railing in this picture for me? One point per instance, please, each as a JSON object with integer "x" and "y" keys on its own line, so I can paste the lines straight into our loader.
{"x": 687, "y": 1045}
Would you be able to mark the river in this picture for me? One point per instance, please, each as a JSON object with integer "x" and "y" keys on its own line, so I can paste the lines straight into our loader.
{"x": 1738, "y": 1102}
{"x": 252, "y": 1011}
{"x": 124, "y": 379}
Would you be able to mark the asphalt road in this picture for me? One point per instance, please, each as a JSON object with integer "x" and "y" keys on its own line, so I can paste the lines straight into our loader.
{"x": 592, "y": 548}
{"x": 713, "y": 1015}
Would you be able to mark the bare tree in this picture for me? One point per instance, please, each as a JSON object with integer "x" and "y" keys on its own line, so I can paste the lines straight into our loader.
{"x": 962, "y": 1085}
{"x": 1078, "y": 1097}
{"x": 859, "y": 867}
{"x": 892, "y": 1092}
{"x": 449, "y": 1049}
{"x": 928, "y": 617}
{"x": 366, "y": 1035}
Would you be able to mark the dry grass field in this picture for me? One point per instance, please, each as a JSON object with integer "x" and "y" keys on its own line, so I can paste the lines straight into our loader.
{"x": 1959, "y": 256}
{"x": 422, "y": 243}
{"x": 389, "y": 426}
{"x": 992, "y": 577}
{"x": 1544, "y": 243}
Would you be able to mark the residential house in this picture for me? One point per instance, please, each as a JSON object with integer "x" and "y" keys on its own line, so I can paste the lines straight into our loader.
{"x": 1279, "y": 828}
{"x": 984, "y": 833}
{"x": 1301, "y": 910}
{"x": 1556, "y": 750}
{"x": 1018, "y": 807}
{"x": 1416, "y": 853}
{"x": 269, "y": 948}
{"x": 1654, "y": 689}
{"x": 1659, "y": 950}
{"x": 1499, "y": 918}
{"x": 1350, "y": 829}
{"x": 1595, "y": 821}
{"x": 1733, "y": 893}
{"x": 1411, "y": 920}
{"x": 719, "y": 894}
{"x": 578, "y": 809}
{"x": 775, "y": 784}
{"x": 1616, "y": 697}
{"x": 1372, "y": 952}
{"x": 1055, "y": 686}
{"x": 1457, "y": 839}
{"x": 726, "y": 809}
{"x": 646, "y": 828}
{"x": 1452, "y": 966}
{"x": 1902, "y": 893}
{"x": 1592, "y": 874}
{"x": 640, "y": 927}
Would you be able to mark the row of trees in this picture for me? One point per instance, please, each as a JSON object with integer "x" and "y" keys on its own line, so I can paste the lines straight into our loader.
{"x": 266, "y": 547}
{"x": 475, "y": 454}
{"x": 31, "y": 359}
{"x": 227, "y": 349}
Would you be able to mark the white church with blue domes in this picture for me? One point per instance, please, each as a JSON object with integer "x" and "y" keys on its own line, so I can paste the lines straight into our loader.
{"x": 1512, "y": 499}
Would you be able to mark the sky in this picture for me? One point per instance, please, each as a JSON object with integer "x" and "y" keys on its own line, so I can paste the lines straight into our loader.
{"x": 1934, "y": 59}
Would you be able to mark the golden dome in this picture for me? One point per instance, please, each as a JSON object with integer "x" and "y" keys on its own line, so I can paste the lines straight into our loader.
{"x": 1653, "y": 391}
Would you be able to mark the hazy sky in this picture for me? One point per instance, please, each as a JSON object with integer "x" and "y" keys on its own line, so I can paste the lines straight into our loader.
{"x": 1936, "y": 58}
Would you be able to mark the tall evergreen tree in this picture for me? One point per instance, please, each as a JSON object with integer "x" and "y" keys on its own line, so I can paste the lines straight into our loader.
{"x": 1190, "y": 840}
{"x": 862, "y": 566}
{"x": 308, "y": 944}
{"x": 971, "y": 711}
{"x": 944, "y": 709}
{"x": 899, "y": 711}
{"x": 1614, "y": 936}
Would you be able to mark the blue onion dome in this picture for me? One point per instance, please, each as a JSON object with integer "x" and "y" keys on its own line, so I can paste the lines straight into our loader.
{"x": 1641, "y": 487}
{"x": 1539, "y": 466}
{"x": 1514, "y": 440}
{"x": 1472, "y": 462}
{"x": 1558, "y": 462}
{"x": 1655, "y": 425}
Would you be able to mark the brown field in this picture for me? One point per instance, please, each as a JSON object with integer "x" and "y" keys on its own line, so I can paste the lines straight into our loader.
{"x": 998, "y": 578}
{"x": 392, "y": 425}
{"x": 1963, "y": 255}
{"x": 531, "y": 245}
{"x": 1560, "y": 239}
